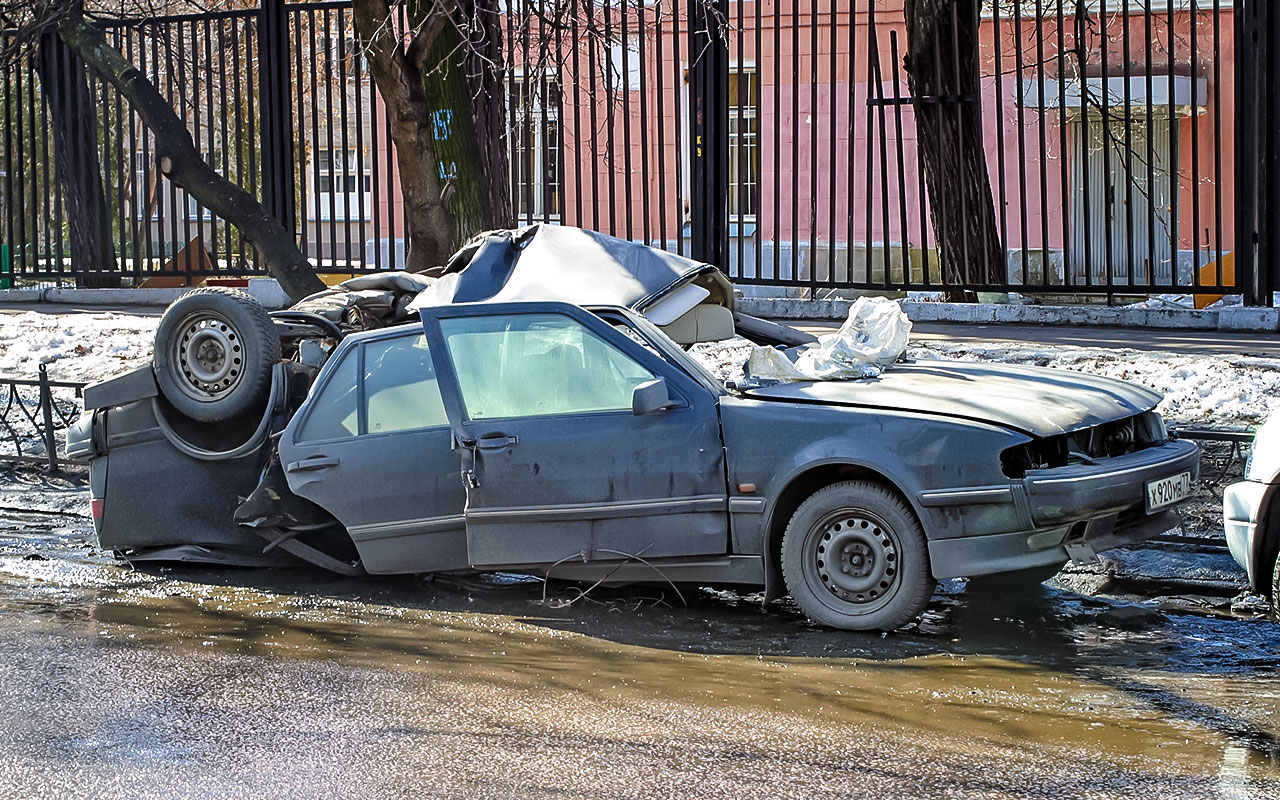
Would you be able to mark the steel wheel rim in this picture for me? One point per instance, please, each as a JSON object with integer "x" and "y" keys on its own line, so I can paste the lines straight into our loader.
{"x": 854, "y": 560}
{"x": 207, "y": 357}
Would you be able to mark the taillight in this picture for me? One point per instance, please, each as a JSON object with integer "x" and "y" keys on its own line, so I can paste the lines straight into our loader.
{"x": 95, "y": 509}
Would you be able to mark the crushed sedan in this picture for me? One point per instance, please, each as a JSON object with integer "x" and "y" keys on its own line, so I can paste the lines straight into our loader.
{"x": 532, "y": 407}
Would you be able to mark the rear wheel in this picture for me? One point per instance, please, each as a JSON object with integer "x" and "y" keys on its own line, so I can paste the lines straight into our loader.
{"x": 854, "y": 557}
{"x": 214, "y": 350}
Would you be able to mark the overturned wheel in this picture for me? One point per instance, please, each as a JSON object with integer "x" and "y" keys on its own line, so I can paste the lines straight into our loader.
{"x": 854, "y": 557}
{"x": 214, "y": 350}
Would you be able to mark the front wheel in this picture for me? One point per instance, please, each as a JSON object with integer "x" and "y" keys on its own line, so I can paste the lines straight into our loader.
{"x": 854, "y": 557}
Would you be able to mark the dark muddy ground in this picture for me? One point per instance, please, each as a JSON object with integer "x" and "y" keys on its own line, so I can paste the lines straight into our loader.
{"x": 294, "y": 683}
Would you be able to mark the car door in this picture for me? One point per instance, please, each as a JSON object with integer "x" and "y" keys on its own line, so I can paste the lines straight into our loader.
{"x": 557, "y": 465}
{"x": 372, "y": 446}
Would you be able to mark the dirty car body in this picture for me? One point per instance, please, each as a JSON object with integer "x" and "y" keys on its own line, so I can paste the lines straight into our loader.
{"x": 572, "y": 437}
{"x": 1251, "y": 514}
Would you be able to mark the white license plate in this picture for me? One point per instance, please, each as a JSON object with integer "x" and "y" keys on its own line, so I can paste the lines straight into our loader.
{"x": 1167, "y": 491}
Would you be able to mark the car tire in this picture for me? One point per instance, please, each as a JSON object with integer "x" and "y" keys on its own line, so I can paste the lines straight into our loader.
{"x": 879, "y": 578}
{"x": 214, "y": 350}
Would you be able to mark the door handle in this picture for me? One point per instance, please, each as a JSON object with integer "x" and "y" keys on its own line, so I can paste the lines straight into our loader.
{"x": 315, "y": 462}
{"x": 494, "y": 442}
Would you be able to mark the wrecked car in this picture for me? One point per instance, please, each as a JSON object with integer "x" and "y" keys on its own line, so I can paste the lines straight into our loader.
{"x": 532, "y": 408}
{"x": 1251, "y": 514}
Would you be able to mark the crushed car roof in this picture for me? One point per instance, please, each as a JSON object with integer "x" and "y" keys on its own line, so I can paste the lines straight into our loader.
{"x": 554, "y": 262}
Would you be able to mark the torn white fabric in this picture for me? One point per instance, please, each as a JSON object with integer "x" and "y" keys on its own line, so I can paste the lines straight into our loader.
{"x": 874, "y": 336}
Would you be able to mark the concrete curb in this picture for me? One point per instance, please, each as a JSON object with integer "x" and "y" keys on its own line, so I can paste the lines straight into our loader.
{"x": 1226, "y": 319}
{"x": 266, "y": 290}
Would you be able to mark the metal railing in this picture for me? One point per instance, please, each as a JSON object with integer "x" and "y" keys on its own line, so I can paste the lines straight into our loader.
{"x": 32, "y": 413}
{"x": 779, "y": 141}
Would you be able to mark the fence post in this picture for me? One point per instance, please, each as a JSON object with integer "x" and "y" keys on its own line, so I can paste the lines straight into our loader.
{"x": 46, "y": 411}
{"x": 709, "y": 118}
{"x": 276, "y": 110}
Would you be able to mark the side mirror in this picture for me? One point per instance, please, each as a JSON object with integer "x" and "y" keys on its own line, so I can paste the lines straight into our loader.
{"x": 651, "y": 396}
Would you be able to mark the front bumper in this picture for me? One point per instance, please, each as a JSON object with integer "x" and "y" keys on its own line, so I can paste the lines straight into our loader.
{"x": 1072, "y": 513}
{"x": 1242, "y": 506}
{"x": 1119, "y": 484}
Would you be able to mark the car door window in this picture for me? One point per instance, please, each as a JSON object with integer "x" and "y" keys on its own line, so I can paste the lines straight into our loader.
{"x": 525, "y": 365}
{"x": 333, "y": 414}
{"x": 400, "y": 388}
{"x": 400, "y": 392}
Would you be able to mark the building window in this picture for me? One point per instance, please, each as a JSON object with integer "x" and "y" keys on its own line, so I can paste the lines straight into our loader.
{"x": 341, "y": 188}
{"x": 1121, "y": 200}
{"x": 744, "y": 144}
{"x": 534, "y": 146}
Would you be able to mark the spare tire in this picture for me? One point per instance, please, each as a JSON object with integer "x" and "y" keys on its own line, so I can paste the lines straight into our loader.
{"x": 214, "y": 351}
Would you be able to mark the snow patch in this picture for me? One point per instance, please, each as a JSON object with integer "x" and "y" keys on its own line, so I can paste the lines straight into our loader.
{"x": 76, "y": 347}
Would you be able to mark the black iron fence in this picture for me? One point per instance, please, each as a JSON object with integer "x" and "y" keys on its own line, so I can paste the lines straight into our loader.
{"x": 779, "y": 139}
{"x": 33, "y": 415}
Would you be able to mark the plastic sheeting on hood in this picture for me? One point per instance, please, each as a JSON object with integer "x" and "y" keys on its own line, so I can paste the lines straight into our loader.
{"x": 561, "y": 263}
{"x": 873, "y": 337}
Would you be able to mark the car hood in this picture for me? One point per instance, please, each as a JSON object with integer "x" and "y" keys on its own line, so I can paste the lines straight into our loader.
{"x": 1035, "y": 400}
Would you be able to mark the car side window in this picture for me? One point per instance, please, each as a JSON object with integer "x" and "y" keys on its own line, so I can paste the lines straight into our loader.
{"x": 400, "y": 392}
{"x": 333, "y": 414}
{"x": 400, "y": 389}
{"x": 525, "y": 365}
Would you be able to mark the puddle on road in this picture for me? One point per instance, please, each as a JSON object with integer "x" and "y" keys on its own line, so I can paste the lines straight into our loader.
{"x": 991, "y": 696}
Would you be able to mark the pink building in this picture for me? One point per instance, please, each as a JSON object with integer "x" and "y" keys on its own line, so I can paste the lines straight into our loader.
{"x": 1114, "y": 147}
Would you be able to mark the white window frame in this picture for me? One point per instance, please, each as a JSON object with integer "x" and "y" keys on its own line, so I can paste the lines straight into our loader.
{"x": 740, "y": 70}
{"x": 543, "y": 119}
{"x": 342, "y": 206}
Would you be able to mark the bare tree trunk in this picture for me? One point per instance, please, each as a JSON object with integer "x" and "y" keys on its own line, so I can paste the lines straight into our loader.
{"x": 941, "y": 63}
{"x": 459, "y": 84}
{"x": 397, "y": 70}
{"x": 486, "y": 81}
{"x": 75, "y": 159}
{"x": 180, "y": 161}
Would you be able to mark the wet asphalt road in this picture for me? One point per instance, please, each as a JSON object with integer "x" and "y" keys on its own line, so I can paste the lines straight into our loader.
{"x": 241, "y": 683}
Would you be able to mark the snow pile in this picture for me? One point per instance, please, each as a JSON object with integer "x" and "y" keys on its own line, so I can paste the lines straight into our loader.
{"x": 1165, "y": 301}
{"x": 1199, "y": 389}
{"x": 1223, "y": 390}
{"x": 77, "y": 347}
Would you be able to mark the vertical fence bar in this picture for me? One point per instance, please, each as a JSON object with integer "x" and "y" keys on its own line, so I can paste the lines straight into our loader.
{"x": 1042, "y": 123}
{"x": 46, "y": 413}
{"x": 625, "y": 80}
{"x": 662, "y": 124}
{"x": 1108, "y": 200}
{"x": 645, "y": 177}
{"x": 1064, "y": 153}
{"x": 1128, "y": 150}
{"x": 1002, "y": 178}
{"x": 1195, "y": 149}
{"x": 777, "y": 142}
{"x": 832, "y": 108}
{"x": 1175, "y": 171}
{"x": 593, "y": 88}
{"x": 1019, "y": 57}
{"x": 1217, "y": 140}
{"x": 757, "y": 187}
{"x": 902, "y": 169}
